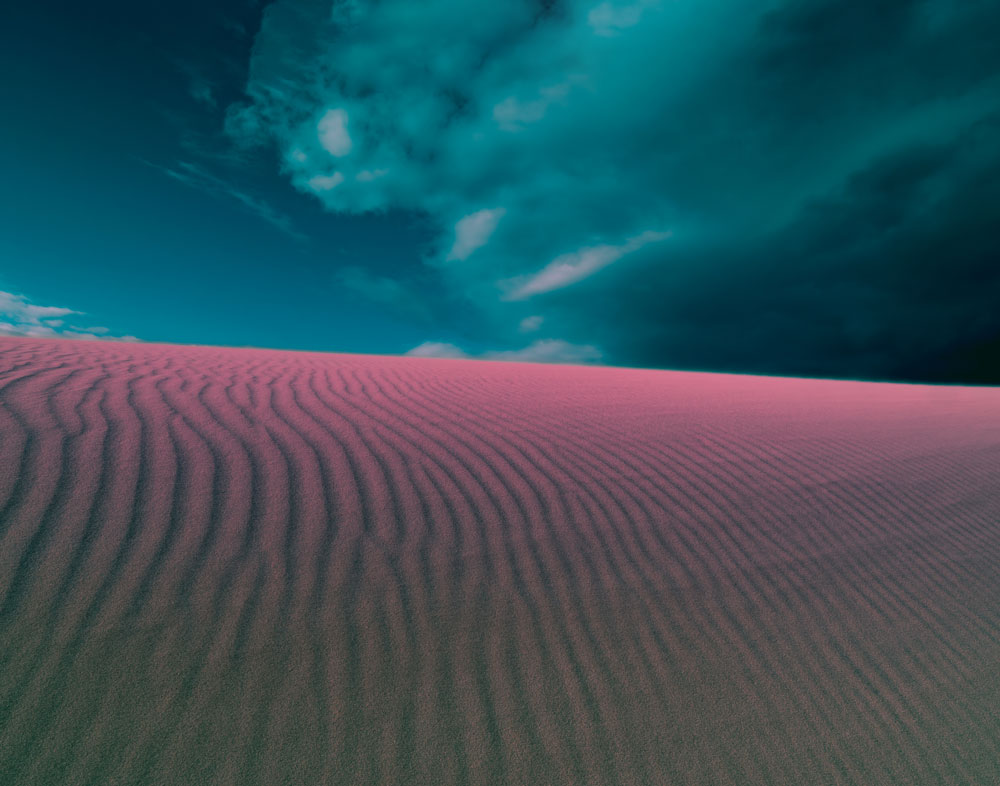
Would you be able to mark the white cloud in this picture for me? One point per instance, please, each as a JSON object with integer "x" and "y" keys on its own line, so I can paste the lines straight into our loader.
{"x": 436, "y": 349}
{"x": 512, "y": 114}
{"x": 474, "y": 231}
{"x": 32, "y": 331}
{"x": 333, "y": 134}
{"x": 549, "y": 350}
{"x": 325, "y": 182}
{"x": 368, "y": 175}
{"x": 569, "y": 268}
{"x": 21, "y": 317}
{"x": 531, "y": 324}
{"x": 19, "y": 310}
{"x": 609, "y": 19}
{"x": 46, "y": 312}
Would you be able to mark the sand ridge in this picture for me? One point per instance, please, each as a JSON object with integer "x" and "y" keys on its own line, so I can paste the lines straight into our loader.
{"x": 250, "y": 566}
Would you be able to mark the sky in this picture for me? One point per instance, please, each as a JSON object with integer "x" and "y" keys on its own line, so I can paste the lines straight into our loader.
{"x": 806, "y": 188}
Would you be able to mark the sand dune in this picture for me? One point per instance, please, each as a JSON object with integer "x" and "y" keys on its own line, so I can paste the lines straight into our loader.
{"x": 229, "y": 566}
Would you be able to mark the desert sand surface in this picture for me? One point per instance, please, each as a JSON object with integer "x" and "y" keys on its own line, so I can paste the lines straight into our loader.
{"x": 234, "y": 566}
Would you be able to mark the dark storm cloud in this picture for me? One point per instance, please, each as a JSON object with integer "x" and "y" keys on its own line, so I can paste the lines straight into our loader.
{"x": 803, "y": 189}
{"x": 893, "y": 275}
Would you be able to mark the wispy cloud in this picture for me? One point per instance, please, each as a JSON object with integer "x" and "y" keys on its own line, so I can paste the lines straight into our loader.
{"x": 201, "y": 91}
{"x": 20, "y": 317}
{"x": 201, "y": 179}
{"x": 200, "y": 87}
{"x": 570, "y": 268}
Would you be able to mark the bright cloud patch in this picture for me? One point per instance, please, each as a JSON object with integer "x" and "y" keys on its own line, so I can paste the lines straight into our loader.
{"x": 325, "y": 182}
{"x": 333, "y": 134}
{"x": 570, "y": 268}
{"x": 531, "y": 324}
{"x": 610, "y": 19}
{"x": 474, "y": 231}
{"x": 21, "y": 317}
{"x": 512, "y": 114}
{"x": 436, "y": 349}
{"x": 549, "y": 350}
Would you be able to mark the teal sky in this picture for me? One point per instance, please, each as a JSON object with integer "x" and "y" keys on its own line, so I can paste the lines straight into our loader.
{"x": 105, "y": 106}
{"x": 788, "y": 187}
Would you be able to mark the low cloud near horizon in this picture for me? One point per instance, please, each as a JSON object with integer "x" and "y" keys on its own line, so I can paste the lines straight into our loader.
{"x": 541, "y": 351}
{"x": 810, "y": 187}
{"x": 20, "y": 317}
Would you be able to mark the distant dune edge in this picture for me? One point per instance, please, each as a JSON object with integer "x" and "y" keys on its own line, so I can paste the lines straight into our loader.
{"x": 227, "y": 566}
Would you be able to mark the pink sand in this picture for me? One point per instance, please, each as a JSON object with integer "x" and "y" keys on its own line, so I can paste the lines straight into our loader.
{"x": 249, "y": 566}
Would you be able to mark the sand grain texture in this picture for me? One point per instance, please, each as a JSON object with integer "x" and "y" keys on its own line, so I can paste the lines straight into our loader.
{"x": 252, "y": 567}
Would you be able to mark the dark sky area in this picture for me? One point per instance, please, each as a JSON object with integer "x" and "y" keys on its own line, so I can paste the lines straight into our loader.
{"x": 802, "y": 188}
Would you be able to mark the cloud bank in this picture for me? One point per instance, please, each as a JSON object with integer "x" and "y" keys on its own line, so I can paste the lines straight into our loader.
{"x": 656, "y": 182}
